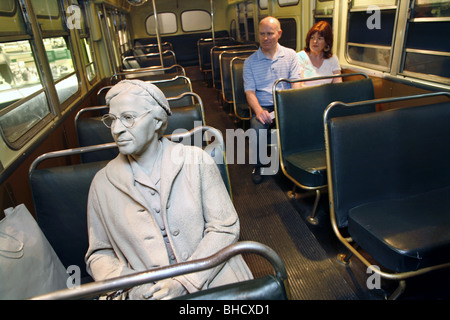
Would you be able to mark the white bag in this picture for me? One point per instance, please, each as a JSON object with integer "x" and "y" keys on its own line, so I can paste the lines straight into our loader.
{"x": 28, "y": 264}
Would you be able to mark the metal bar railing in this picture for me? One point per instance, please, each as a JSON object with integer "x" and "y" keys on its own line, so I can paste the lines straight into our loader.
{"x": 94, "y": 289}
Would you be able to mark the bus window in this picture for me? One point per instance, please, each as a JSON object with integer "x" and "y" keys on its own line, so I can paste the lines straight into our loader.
{"x": 324, "y": 11}
{"x": 285, "y": 3}
{"x": 195, "y": 20}
{"x": 23, "y": 100}
{"x": 61, "y": 65}
{"x": 59, "y": 55}
{"x": 289, "y": 38}
{"x": 246, "y": 22}
{"x": 167, "y": 23}
{"x": 85, "y": 42}
{"x": 427, "y": 51}
{"x": 263, "y": 4}
{"x": 370, "y": 33}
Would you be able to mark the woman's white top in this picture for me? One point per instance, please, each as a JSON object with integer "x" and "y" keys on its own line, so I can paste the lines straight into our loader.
{"x": 328, "y": 67}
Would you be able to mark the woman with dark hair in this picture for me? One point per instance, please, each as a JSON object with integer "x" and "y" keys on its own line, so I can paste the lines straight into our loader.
{"x": 317, "y": 58}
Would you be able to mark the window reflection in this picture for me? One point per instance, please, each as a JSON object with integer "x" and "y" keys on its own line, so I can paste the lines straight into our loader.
{"x": 19, "y": 76}
{"x": 59, "y": 57}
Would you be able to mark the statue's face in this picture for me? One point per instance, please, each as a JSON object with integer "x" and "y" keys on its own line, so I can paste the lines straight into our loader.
{"x": 136, "y": 139}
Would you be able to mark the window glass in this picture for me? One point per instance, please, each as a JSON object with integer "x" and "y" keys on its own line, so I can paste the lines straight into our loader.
{"x": 19, "y": 75}
{"x": 61, "y": 65}
{"x": 195, "y": 20}
{"x": 85, "y": 41}
{"x": 370, "y": 37}
{"x": 167, "y": 23}
{"x": 88, "y": 59}
{"x": 427, "y": 64}
{"x": 289, "y": 38}
{"x": 263, "y": 4}
{"x": 11, "y": 19}
{"x": 7, "y": 6}
{"x": 284, "y": 3}
{"x": 59, "y": 57}
{"x": 324, "y": 7}
{"x": 431, "y": 8}
{"x": 427, "y": 51}
{"x": 20, "y": 120}
{"x": 372, "y": 34}
{"x": 20, "y": 81}
{"x": 48, "y": 15}
{"x": 366, "y": 3}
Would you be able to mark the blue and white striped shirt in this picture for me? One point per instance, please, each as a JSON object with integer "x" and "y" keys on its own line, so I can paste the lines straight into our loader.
{"x": 260, "y": 72}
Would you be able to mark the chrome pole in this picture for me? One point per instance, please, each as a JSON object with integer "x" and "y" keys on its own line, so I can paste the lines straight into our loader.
{"x": 158, "y": 37}
{"x": 212, "y": 22}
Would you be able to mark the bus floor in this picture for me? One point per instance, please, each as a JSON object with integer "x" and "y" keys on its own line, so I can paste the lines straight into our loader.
{"x": 309, "y": 252}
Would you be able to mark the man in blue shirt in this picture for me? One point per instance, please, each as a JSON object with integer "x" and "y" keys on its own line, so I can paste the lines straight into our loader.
{"x": 271, "y": 62}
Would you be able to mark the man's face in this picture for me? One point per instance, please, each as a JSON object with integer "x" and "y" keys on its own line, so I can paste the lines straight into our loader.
{"x": 136, "y": 139}
{"x": 268, "y": 35}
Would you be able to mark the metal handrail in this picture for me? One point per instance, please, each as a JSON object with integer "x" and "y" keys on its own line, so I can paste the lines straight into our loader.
{"x": 274, "y": 87}
{"x": 94, "y": 289}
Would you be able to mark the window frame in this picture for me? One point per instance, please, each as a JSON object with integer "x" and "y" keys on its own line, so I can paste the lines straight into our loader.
{"x": 375, "y": 47}
{"x": 151, "y": 16}
{"x": 425, "y": 52}
{"x": 195, "y": 10}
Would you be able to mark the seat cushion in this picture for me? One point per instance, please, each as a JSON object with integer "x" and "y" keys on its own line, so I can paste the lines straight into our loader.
{"x": 266, "y": 288}
{"x": 405, "y": 234}
{"x": 308, "y": 167}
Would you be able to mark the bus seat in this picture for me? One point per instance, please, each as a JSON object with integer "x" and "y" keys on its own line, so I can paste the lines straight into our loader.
{"x": 204, "y": 48}
{"x": 92, "y": 131}
{"x": 299, "y": 118}
{"x": 270, "y": 287}
{"x": 389, "y": 184}
{"x": 140, "y": 48}
{"x": 149, "y": 59}
{"x": 215, "y": 64}
{"x": 60, "y": 194}
{"x": 60, "y": 198}
{"x": 240, "y": 105}
{"x": 225, "y": 58}
{"x": 149, "y": 73}
{"x": 170, "y": 87}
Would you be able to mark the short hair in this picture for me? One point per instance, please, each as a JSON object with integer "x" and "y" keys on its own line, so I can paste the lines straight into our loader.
{"x": 324, "y": 29}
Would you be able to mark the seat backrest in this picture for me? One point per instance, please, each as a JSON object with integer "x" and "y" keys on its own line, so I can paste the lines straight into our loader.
{"x": 150, "y": 73}
{"x": 151, "y": 47}
{"x": 265, "y": 288}
{"x": 299, "y": 112}
{"x": 175, "y": 87}
{"x": 225, "y": 58}
{"x": 60, "y": 201}
{"x": 204, "y": 48}
{"x": 154, "y": 59}
{"x": 241, "y": 108}
{"x": 170, "y": 87}
{"x": 387, "y": 155}
{"x": 215, "y": 63}
{"x": 188, "y": 114}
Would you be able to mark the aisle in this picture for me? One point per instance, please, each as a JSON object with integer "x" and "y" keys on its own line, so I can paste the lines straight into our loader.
{"x": 267, "y": 216}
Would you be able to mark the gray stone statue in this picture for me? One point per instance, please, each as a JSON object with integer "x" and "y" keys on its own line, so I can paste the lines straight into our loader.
{"x": 147, "y": 209}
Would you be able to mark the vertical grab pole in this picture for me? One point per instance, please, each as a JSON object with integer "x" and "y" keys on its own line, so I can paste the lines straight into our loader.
{"x": 157, "y": 33}
{"x": 212, "y": 22}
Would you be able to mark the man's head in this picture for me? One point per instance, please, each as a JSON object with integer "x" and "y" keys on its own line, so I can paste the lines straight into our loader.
{"x": 137, "y": 116}
{"x": 269, "y": 33}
